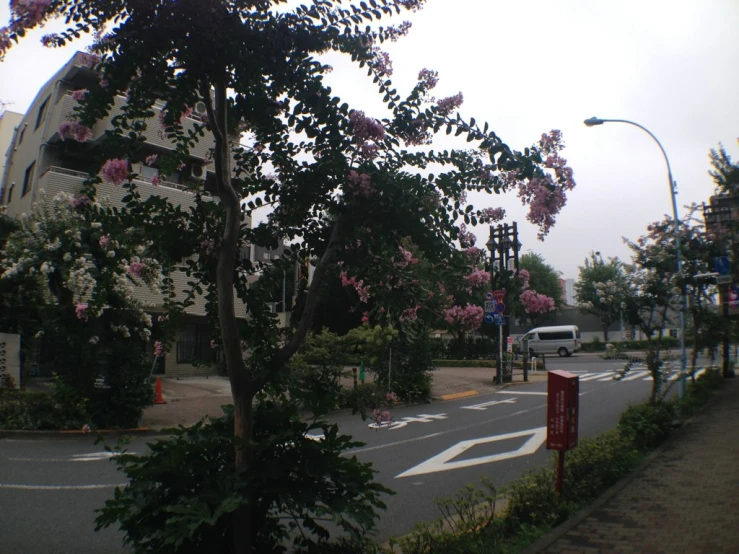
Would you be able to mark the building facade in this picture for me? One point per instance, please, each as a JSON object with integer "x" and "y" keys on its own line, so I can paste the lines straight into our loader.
{"x": 39, "y": 159}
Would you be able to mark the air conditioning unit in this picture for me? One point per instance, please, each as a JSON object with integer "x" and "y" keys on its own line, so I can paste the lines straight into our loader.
{"x": 198, "y": 171}
{"x": 200, "y": 108}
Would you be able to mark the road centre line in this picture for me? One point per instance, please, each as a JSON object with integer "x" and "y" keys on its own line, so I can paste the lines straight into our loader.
{"x": 522, "y": 392}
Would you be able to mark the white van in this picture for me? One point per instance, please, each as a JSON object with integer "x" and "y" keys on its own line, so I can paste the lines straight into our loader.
{"x": 562, "y": 339}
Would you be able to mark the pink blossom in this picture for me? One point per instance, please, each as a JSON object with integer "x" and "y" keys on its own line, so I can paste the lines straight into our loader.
{"x": 524, "y": 275}
{"x": 410, "y": 314}
{"x": 88, "y": 60}
{"x": 477, "y": 277}
{"x": 158, "y": 349}
{"x": 535, "y": 303}
{"x": 104, "y": 241}
{"x": 445, "y": 106}
{"x": 115, "y": 170}
{"x": 492, "y": 214}
{"x": 468, "y": 318}
{"x": 391, "y": 397}
{"x": 156, "y": 180}
{"x": 428, "y": 78}
{"x": 82, "y": 200}
{"x": 151, "y": 160}
{"x": 136, "y": 269}
{"x": 29, "y": 12}
{"x": 79, "y": 94}
{"x": 406, "y": 258}
{"x": 75, "y": 131}
{"x": 360, "y": 184}
{"x": 466, "y": 238}
{"x": 80, "y": 310}
{"x": 365, "y": 317}
{"x": 213, "y": 343}
{"x": 366, "y": 128}
{"x": 383, "y": 63}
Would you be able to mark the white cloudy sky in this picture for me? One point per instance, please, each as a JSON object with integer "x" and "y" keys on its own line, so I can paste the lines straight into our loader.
{"x": 528, "y": 66}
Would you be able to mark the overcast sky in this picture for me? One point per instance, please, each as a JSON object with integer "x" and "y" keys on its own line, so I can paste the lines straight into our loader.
{"x": 530, "y": 66}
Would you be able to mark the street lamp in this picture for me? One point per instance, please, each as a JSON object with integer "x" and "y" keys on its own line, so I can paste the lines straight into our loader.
{"x": 591, "y": 122}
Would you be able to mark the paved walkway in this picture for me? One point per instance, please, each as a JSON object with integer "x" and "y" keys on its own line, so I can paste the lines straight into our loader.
{"x": 685, "y": 501}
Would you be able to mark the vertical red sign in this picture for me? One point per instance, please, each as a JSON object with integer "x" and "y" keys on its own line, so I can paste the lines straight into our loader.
{"x": 562, "y": 410}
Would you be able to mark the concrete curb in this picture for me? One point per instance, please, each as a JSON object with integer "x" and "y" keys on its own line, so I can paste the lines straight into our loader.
{"x": 66, "y": 434}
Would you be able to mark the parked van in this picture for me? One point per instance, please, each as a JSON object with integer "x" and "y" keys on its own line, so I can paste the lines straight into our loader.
{"x": 562, "y": 339}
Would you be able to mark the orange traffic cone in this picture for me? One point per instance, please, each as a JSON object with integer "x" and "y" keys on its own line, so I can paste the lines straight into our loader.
{"x": 159, "y": 399}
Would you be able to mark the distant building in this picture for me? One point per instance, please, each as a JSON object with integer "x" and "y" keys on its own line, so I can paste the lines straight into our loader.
{"x": 568, "y": 292}
{"x": 9, "y": 122}
{"x": 38, "y": 159}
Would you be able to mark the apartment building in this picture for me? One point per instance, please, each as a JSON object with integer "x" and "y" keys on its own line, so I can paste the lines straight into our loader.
{"x": 38, "y": 159}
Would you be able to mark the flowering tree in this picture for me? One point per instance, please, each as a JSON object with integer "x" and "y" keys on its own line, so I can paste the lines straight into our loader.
{"x": 600, "y": 289}
{"x": 74, "y": 289}
{"x": 540, "y": 290}
{"x": 332, "y": 175}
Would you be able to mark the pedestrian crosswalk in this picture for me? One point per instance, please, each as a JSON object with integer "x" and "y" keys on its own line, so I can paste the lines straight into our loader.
{"x": 633, "y": 375}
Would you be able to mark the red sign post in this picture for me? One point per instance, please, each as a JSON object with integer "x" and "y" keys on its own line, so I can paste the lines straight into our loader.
{"x": 563, "y": 390}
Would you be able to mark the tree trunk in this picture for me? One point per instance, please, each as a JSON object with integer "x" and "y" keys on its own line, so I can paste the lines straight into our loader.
{"x": 605, "y": 332}
{"x": 243, "y": 531}
{"x": 242, "y": 389}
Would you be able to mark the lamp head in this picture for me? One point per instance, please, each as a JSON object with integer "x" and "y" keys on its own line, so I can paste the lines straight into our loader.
{"x": 591, "y": 122}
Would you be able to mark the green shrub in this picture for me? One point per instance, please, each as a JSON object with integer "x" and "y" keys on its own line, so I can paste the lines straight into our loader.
{"x": 646, "y": 425}
{"x": 182, "y": 494}
{"x": 532, "y": 499}
{"x": 596, "y": 464}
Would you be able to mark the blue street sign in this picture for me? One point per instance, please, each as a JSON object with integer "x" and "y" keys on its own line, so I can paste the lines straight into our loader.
{"x": 489, "y": 318}
{"x": 489, "y": 295}
{"x": 489, "y": 307}
{"x": 500, "y": 308}
{"x": 722, "y": 265}
{"x": 498, "y": 319}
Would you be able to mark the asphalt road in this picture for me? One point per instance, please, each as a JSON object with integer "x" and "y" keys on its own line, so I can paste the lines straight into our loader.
{"x": 49, "y": 489}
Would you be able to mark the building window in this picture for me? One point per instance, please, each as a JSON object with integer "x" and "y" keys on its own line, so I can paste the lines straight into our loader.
{"x": 42, "y": 112}
{"x": 10, "y": 192}
{"x": 194, "y": 346}
{"x": 28, "y": 179}
{"x": 20, "y": 135}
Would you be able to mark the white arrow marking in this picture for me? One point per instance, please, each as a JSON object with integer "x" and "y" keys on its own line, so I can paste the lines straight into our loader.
{"x": 91, "y": 457}
{"x": 486, "y": 405}
{"x": 442, "y": 461}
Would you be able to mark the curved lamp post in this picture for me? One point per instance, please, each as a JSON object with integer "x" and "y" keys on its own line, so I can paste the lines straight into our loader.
{"x": 591, "y": 122}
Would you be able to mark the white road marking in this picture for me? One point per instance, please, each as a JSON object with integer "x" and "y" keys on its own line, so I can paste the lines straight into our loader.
{"x": 91, "y": 457}
{"x": 15, "y": 486}
{"x": 635, "y": 376}
{"x": 421, "y": 418}
{"x": 593, "y": 376}
{"x": 486, "y": 405}
{"x": 521, "y": 392}
{"x": 442, "y": 461}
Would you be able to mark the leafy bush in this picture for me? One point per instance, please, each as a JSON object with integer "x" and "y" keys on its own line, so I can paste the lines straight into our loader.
{"x": 33, "y": 411}
{"x": 181, "y": 496}
{"x": 646, "y": 425}
{"x": 532, "y": 499}
{"x": 596, "y": 464}
{"x": 698, "y": 393}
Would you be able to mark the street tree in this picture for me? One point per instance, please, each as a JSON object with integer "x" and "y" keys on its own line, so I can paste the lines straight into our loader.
{"x": 600, "y": 289}
{"x": 332, "y": 175}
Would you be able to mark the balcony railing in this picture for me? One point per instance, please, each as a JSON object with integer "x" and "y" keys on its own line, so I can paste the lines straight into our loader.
{"x": 83, "y": 175}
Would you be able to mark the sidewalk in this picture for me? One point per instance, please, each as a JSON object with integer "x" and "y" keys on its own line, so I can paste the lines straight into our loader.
{"x": 684, "y": 500}
{"x": 191, "y": 398}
